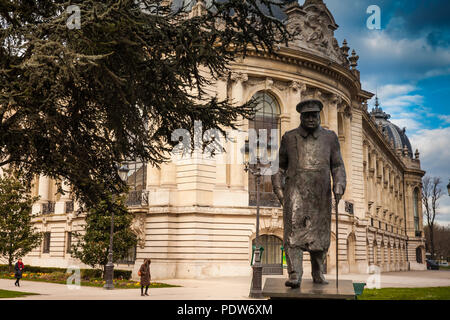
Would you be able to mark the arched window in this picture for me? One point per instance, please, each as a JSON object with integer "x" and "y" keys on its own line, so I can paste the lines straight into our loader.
{"x": 416, "y": 211}
{"x": 375, "y": 253}
{"x": 267, "y": 117}
{"x": 419, "y": 255}
{"x": 272, "y": 254}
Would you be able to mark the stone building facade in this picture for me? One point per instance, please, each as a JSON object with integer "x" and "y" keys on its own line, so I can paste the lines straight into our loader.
{"x": 196, "y": 217}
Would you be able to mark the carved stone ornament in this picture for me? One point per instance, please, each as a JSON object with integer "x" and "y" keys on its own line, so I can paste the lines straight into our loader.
{"x": 313, "y": 27}
{"x": 297, "y": 86}
{"x": 138, "y": 227}
{"x": 239, "y": 77}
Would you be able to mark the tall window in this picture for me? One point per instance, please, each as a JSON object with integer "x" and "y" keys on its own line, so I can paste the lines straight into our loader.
{"x": 267, "y": 117}
{"x": 130, "y": 258}
{"x": 46, "y": 244}
{"x": 416, "y": 210}
{"x": 419, "y": 255}
{"x": 137, "y": 175}
{"x": 69, "y": 242}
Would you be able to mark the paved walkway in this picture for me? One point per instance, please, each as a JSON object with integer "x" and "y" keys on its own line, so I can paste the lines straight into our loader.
{"x": 236, "y": 288}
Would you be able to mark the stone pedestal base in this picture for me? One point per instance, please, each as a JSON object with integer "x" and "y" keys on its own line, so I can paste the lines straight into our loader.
{"x": 274, "y": 288}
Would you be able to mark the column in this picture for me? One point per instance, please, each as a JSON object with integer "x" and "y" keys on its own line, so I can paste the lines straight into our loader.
{"x": 237, "y": 167}
{"x": 60, "y": 206}
{"x": 296, "y": 92}
{"x": 168, "y": 178}
{"x": 333, "y": 112}
{"x": 153, "y": 177}
{"x": 44, "y": 183}
{"x": 221, "y": 163}
{"x": 43, "y": 189}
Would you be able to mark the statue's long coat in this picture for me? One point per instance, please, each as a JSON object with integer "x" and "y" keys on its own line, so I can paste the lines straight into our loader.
{"x": 308, "y": 159}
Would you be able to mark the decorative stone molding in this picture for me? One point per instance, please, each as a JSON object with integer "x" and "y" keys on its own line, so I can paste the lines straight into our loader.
{"x": 268, "y": 83}
{"x": 198, "y": 9}
{"x": 297, "y": 86}
{"x": 138, "y": 227}
{"x": 313, "y": 27}
{"x": 239, "y": 77}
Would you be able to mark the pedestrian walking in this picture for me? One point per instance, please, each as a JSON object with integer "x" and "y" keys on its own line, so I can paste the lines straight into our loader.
{"x": 18, "y": 267}
{"x": 144, "y": 273}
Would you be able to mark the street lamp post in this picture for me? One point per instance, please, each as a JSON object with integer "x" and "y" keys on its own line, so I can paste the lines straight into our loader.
{"x": 256, "y": 286}
{"x": 109, "y": 268}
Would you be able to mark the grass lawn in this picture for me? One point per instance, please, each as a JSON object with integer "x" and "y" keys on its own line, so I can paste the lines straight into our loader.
{"x": 14, "y": 294}
{"x": 436, "y": 293}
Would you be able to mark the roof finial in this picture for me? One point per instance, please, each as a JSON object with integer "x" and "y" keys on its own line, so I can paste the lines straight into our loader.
{"x": 353, "y": 60}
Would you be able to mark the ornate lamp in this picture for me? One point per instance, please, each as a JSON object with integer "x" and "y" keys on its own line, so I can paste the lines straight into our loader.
{"x": 256, "y": 285}
{"x": 123, "y": 172}
{"x": 109, "y": 268}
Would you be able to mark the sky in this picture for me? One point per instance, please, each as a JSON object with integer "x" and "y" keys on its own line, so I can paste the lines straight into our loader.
{"x": 407, "y": 62}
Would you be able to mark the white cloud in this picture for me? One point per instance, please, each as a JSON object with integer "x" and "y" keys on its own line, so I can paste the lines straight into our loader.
{"x": 403, "y": 104}
{"x": 398, "y": 103}
{"x": 392, "y": 90}
{"x": 437, "y": 73}
{"x": 445, "y": 118}
{"x": 434, "y": 148}
{"x": 443, "y": 211}
{"x": 386, "y": 59}
{"x": 408, "y": 123}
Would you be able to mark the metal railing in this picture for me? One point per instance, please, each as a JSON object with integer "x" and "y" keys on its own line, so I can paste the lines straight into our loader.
{"x": 48, "y": 207}
{"x": 349, "y": 207}
{"x": 137, "y": 198}
{"x": 69, "y": 206}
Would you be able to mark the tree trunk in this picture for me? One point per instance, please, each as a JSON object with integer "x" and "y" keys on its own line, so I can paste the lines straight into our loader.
{"x": 432, "y": 241}
{"x": 10, "y": 265}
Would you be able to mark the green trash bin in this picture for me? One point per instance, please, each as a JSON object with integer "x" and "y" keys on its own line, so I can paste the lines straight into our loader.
{"x": 253, "y": 253}
{"x": 359, "y": 288}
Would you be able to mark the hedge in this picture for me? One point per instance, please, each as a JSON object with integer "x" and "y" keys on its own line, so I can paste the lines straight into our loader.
{"x": 85, "y": 273}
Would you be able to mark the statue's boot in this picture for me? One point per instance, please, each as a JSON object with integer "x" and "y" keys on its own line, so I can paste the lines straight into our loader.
{"x": 317, "y": 266}
{"x": 319, "y": 278}
{"x": 294, "y": 259}
{"x": 293, "y": 281}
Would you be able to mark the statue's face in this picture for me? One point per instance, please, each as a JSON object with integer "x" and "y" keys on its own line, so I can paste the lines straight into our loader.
{"x": 310, "y": 120}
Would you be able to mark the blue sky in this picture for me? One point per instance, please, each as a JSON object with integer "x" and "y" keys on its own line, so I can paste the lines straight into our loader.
{"x": 407, "y": 62}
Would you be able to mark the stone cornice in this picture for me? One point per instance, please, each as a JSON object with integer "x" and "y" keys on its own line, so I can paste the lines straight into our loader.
{"x": 212, "y": 210}
{"x": 322, "y": 65}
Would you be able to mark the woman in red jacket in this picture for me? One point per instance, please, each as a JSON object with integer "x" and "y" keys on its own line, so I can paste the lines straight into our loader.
{"x": 18, "y": 268}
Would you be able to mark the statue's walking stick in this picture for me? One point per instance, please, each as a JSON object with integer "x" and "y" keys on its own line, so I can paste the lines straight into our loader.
{"x": 337, "y": 243}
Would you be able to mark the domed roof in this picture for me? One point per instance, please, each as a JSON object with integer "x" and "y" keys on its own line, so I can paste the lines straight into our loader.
{"x": 393, "y": 132}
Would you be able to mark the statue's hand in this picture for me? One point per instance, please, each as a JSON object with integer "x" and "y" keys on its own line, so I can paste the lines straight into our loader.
{"x": 338, "y": 192}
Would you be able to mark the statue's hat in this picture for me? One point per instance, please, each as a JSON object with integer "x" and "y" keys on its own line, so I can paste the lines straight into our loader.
{"x": 309, "y": 106}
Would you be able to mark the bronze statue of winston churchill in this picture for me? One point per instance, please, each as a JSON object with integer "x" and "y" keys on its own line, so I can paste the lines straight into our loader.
{"x": 308, "y": 156}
